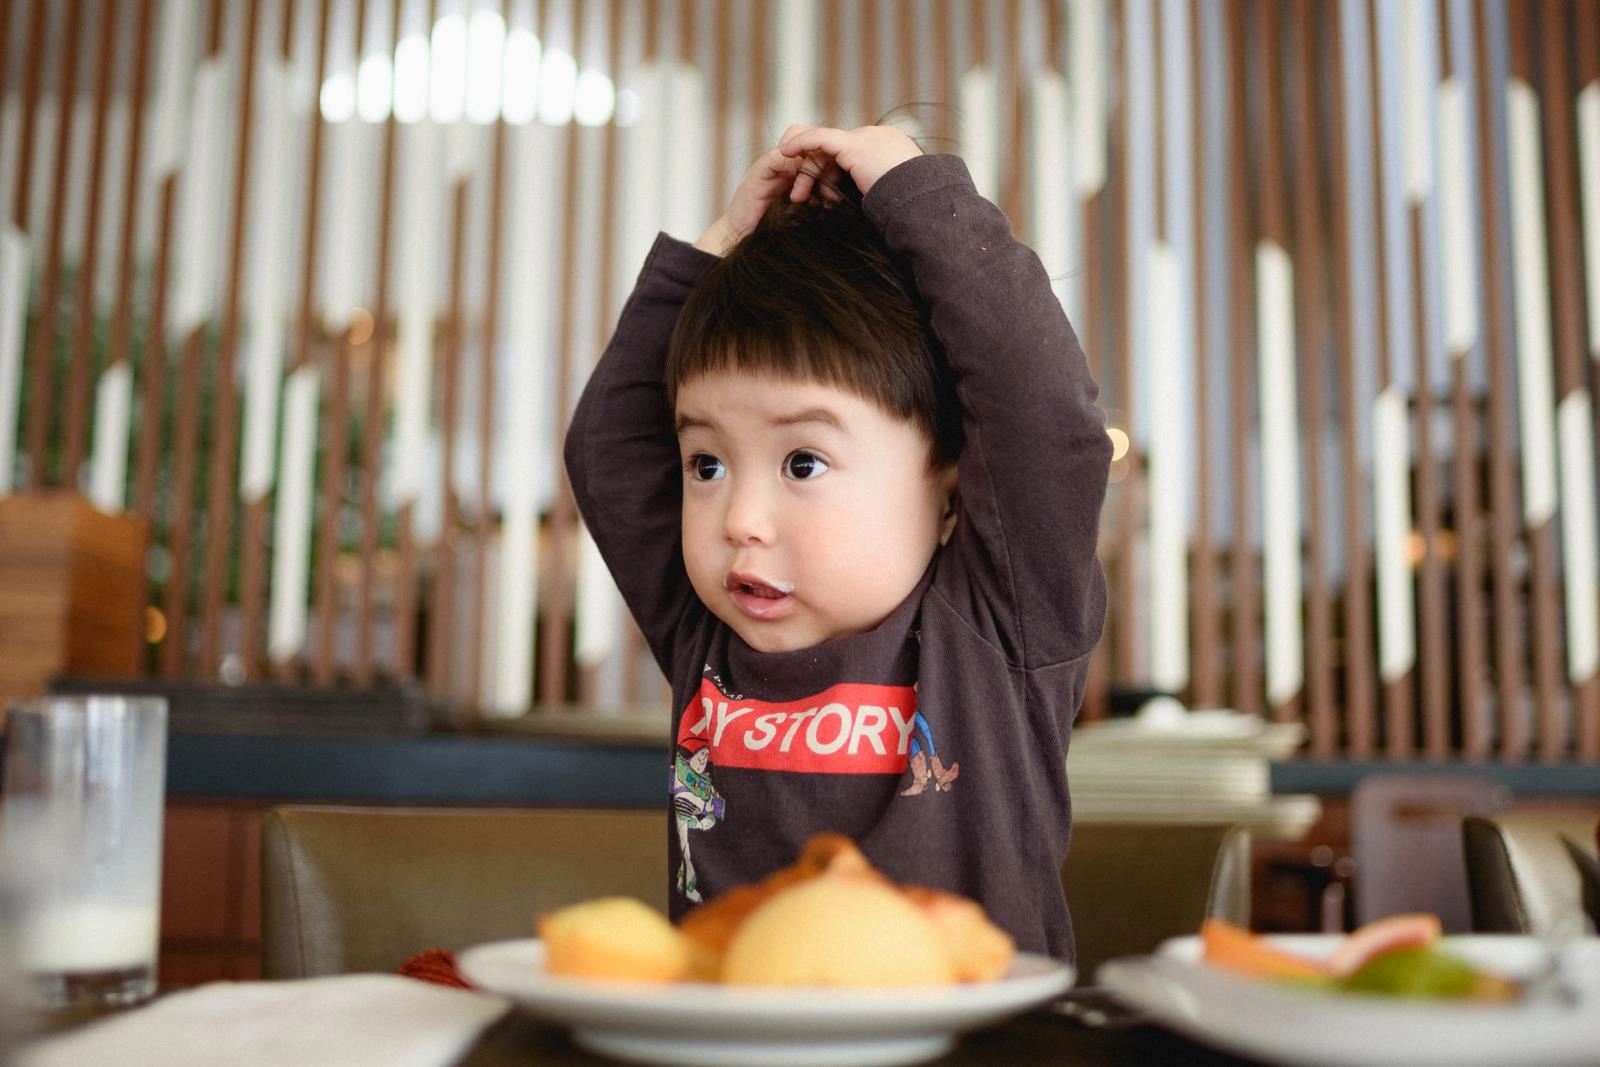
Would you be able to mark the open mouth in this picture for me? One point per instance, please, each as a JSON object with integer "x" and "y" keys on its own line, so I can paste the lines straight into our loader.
{"x": 761, "y": 589}
{"x": 756, "y": 596}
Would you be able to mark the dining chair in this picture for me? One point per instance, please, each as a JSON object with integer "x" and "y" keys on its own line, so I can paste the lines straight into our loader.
{"x": 347, "y": 889}
{"x": 1523, "y": 876}
{"x": 1405, "y": 838}
{"x": 1132, "y": 886}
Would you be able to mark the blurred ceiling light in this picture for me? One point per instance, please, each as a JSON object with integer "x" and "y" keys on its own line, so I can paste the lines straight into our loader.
{"x": 411, "y": 78}
{"x": 361, "y": 326}
{"x": 520, "y": 84}
{"x": 1416, "y": 547}
{"x": 558, "y": 84}
{"x": 486, "y": 46}
{"x": 374, "y": 88}
{"x": 1119, "y": 442}
{"x": 447, "y": 83}
{"x": 338, "y": 98}
{"x": 595, "y": 99}
{"x": 476, "y": 70}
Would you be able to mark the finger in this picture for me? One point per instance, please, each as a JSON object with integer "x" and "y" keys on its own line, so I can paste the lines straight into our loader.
{"x": 794, "y": 128}
{"x": 814, "y": 139}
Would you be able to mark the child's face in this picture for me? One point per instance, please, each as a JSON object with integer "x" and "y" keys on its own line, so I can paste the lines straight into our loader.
{"x": 808, "y": 512}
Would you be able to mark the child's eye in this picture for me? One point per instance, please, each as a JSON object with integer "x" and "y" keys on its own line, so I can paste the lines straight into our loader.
{"x": 704, "y": 468}
{"x": 801, "y": 465}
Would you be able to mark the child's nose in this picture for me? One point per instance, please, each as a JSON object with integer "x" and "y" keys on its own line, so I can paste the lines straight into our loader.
{"x": 749, "y": 516}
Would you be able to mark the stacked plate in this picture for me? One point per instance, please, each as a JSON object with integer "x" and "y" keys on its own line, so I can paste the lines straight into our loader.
{"x": 1167, "y": 764}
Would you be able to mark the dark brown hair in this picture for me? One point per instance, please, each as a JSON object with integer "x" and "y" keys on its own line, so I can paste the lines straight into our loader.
{"x": 813, "y": 293}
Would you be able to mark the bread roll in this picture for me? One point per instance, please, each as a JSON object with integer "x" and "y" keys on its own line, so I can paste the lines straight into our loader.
{"x": 617, "y": 938}
{"x": 837, "y": 930}
{"x": 979, "y": 950}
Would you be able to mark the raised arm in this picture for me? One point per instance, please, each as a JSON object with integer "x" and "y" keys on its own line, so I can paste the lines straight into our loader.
{"x": 1033, "y": 472}
{"x": 622, "y": 452}
{"x": 622, "y": 449}
{"x": 1034, "y": 468}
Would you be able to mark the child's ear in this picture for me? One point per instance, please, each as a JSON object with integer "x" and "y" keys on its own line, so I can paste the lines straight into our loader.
{"x": 949, "y": 489}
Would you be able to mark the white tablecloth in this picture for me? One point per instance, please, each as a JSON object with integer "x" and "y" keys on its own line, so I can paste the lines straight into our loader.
{"x": 343, "y": 1021}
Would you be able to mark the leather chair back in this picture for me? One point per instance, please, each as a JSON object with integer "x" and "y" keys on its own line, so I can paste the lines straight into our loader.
{"x": 347, "y": 889}
{"x": 1405, "y": 837}
{"x": 1520, "y": 874}
{"x": 1131, "y": 887}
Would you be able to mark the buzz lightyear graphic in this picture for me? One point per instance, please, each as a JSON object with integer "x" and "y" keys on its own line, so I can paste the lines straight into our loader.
{"x": 696, "y": 805}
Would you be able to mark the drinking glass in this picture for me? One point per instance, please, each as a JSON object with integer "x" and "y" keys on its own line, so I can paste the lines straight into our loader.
{"x": 81, "y": 806}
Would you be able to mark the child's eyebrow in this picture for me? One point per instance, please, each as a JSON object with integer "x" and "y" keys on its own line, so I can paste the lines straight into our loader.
{"x": 684, "y": 423}
{"x": 820, "y": 416}
{"x": 817, "y": 415}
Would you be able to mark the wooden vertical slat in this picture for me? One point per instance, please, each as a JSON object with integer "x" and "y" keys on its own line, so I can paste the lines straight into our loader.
{"x": 588, "y": 680}
{"x": 81, "y": 358}
{"x": 1432, "y": 608}
{"x": 633, "y": 639}
{"x": 558, "y": 590}
{"x": 1097, "y": 695}
{"x": 828, "y": 75}
{"x": 1502, "y": 494}
{"x": 1549, "y": 694}
{"x": 180, "y": 528}
{"x": 308, "y": 339}
{"x": 720, "y": 78}
{"x": 33, "y": 62}
{"x": 1358, "y": 680}
{"x": 905, "y": 29}
{"x": 335, "y": 460}
{"x": 943, "y": 73}
{"x": 7, "y": 14}
{"x": 870, "y": 103}
{"x": 1205, "y": 684}
{"x": 117, "y": 349}
{"x": 1158, "y": 96}
{"x": 117, "y": 352}
{"x": 41, "y": 387}
{"x": 1471, "y": 663}
{"x": 257, "y": 511}
{"x": 1274, "y": 231}
{"x": 377, "y": 382}
{"x": 406, "y": 564}
{"x": 1013, "y": 198}
{"x": 152, "y": 393}
{"x": 442, "y": 619}
{"x": 1125, "y": 613}
{"x": 1576, "y": 398}
{"x": 1399, "y": 739}
{"x": 1245, "y": 617}
{"x": 225, "y": 436}
{"x": 1310, "y": 312}
{"x": 483, "y": 527}
{"x": 760, "y": 78}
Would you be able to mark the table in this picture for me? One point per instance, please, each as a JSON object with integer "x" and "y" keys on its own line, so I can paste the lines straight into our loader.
{"x": 1034, "y": 1040}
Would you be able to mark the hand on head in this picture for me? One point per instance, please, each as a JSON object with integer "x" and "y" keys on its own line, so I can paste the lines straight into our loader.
{"x": 807, "y": 159}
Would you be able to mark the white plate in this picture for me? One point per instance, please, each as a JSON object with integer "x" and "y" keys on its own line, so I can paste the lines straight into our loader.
{"x": 1282, "y": 1025}
{"x": 709, "y": 1025}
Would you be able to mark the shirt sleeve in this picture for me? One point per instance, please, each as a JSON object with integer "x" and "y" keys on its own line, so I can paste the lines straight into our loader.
{"x": 1034, "y": 468}
{"x": 622, "y": 452}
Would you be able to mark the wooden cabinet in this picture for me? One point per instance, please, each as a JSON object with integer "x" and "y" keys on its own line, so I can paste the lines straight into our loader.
{"x": 72, "y": 591}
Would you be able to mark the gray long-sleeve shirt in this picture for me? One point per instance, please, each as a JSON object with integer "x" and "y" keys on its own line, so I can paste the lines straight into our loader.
{"x": 982, "y": 665}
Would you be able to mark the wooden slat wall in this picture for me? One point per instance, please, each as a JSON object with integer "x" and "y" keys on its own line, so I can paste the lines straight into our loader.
{"x": 1439, "y": 301}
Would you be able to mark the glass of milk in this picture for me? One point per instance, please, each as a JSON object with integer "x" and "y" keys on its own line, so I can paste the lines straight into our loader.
{"x": 84, "y": 789}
